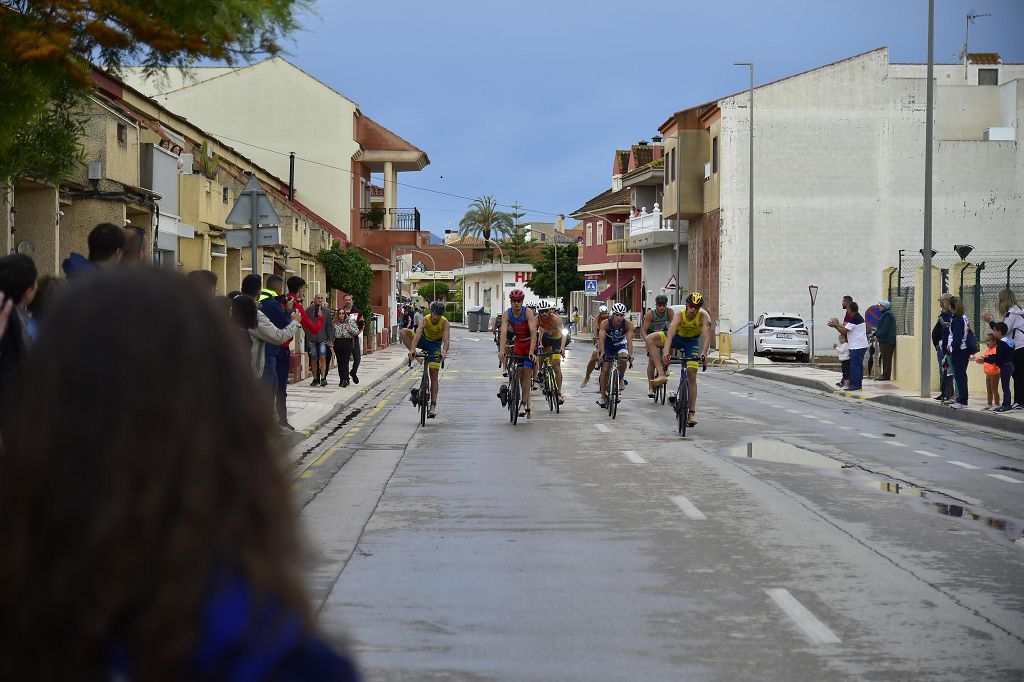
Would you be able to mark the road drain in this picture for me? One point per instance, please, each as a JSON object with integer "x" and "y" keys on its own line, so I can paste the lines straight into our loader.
{"x": 937, "y": 503}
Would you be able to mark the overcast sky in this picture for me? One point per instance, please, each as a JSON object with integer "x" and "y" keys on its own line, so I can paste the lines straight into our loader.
{"x": 526, "y": 100}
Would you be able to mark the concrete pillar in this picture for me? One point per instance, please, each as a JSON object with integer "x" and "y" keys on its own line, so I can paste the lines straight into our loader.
{"x": 233, "y": 270}
{"x": 6, "y": 203}
{"x": 390, "y": 194}
{"x": 35, "y": 220}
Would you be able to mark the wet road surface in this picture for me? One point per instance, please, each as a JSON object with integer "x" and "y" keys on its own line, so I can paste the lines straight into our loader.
{"x": 789, "y": 536}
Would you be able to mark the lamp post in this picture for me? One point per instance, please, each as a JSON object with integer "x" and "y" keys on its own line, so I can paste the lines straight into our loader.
{"x": 750, "y": 237}
{"x": 433, "y": 265}
{"x": 464, "y": 296}
{"x": 926, "y": 252}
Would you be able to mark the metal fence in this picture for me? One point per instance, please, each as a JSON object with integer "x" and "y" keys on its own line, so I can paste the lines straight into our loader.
{"x": 977, "y": 287}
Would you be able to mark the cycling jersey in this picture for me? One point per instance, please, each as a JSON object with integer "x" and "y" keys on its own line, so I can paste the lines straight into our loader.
{"x": 690, "y": 327}
{"x": 597, "y": 325}
{"x": 615, "y": 338}
{"x": 520, "y": 328}
{"x": 434, "y": 332}
{"x": 549, "y": 328}
{"x": 660, "y": 323}
{"x": 431, "y": 339}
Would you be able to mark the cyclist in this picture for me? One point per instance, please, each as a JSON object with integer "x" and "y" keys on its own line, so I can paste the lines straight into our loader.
{"x": 595, "y": 357}
{"x": 655, "y": 321}
{"x": 554, "y": 338}
{"x": 520, "y": 321}
{"x": 691, "y": 332}
{"x": 432, "y": 335}
{"x": 615, "y": 338}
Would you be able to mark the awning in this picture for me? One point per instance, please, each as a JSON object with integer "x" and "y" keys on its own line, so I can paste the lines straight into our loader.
{"x": 622, "y": 282}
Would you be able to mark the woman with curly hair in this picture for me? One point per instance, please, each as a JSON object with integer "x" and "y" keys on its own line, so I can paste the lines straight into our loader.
{"x": 145, "y": 521}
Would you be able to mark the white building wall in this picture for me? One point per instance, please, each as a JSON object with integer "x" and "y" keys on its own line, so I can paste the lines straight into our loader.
{"x": 658, "y": 267}
{"x": 274, "y": 105}
{"x": 839, "y": 166}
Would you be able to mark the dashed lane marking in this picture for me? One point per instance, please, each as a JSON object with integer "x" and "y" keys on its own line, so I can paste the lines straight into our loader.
{"x": 926, "y": 453}
{"x": 808, "y": 416}
{"x": 793, "y": 411}
{"x": 687, "y": 508}
{"x": 846, "y": 428}
{"x": 896, "y": 444}
{"x": 827, "y": 421}
{"x": 633, "y": 457}
{"x": 815, "y": 631}
{"x": 603, "y": 428}
{"x": 1008, "y": 479}
{"x": 865, "y": 434}
{"x": 962, "y": 465}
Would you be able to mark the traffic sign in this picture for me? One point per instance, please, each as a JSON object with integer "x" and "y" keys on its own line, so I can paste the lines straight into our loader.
{"x": 813, "y": 289}
{"x": 265, "y": 236}
{"x": 872, "y": 315}
{"x": 242, "y": 213}
{"x": 671, "y": 284}
{"x": 590, "y": 287}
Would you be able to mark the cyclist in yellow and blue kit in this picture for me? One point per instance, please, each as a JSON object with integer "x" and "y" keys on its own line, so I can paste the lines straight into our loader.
{"x": 691, "y": 333}
{"x": 432, "y": 335}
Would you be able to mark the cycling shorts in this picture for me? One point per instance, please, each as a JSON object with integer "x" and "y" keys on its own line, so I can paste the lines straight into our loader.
{"x": 430, "y": 348}
{"x": 614, "y": 348}
{"x": 554, "y": 345}
{"x": 522, "y": 347}
{"x": 690, "y": 345}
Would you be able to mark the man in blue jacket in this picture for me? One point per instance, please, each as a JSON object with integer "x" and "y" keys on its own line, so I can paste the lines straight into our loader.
{"x": 278, "y": 358}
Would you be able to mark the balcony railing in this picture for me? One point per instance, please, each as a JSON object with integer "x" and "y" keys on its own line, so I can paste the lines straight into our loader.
{"x": 401, "y": 219}
{"x": 648, "y": 222}
{"x": 614, "y": 247}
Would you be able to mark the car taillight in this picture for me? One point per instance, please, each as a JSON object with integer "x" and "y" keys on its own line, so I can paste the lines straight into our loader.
{"x": 764, "y": 330}
{"x": 802, "y": 331}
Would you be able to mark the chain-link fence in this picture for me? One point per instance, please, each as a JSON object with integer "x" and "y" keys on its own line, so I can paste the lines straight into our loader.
{"x": 977, "y": 285}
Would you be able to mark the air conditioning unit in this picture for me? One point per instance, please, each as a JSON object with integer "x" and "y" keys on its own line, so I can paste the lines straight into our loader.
{"x": 707, "y": 170}
{"x": 999, "y": 134}
{"x": 95, "y": 170}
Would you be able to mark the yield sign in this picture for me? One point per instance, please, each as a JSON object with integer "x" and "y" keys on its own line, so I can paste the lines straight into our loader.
{"x": 671, "y": 284}
{"x": 242, "y": 212}
{"x": 813, "y": 289}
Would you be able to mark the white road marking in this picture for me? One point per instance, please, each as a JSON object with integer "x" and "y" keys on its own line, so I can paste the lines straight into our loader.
{"x": 815, "y": 631}
{"x": 793, "y": 411}
{"x": 846, "y": 428}
{"x": 603, "y": 428}
{"x": 581, "y": 408}
{"x": 962, "y": 464}
{"x": 826, "y": 421}
{"x": 688, "y": 508}
{"x": 926, "y": 453}
{"x": 869, "y": 435}
{"x": 633, "y": 457}
{"x": 896, "y": 444}
{"x": 808, "y": 416}
{"x": 736, "y": 393}
{"x": 778, "y": 407}
{"x": 1008, "y": 479}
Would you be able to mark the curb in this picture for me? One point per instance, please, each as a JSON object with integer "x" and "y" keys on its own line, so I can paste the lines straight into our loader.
{"x": 338, "y": 407}
{"x": 990, "y": 421}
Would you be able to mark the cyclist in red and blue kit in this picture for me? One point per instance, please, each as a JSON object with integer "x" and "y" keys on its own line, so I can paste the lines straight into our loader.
{"x": 523, "y": 325}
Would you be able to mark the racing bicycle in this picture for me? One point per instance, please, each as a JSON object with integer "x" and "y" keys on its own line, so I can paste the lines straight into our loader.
{"x": 614, "y": 378}
{"x": 547, "y": 380}
{"x": 681, "y": 404}
{"x": 422, "y": 397}
{"x": 513, "y": 390}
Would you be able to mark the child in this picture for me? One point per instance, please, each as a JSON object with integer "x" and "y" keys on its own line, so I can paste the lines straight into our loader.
{"x": 843, "y": 349}
{"x": 1003, "y": 359}
{"x": 991, "y": 370}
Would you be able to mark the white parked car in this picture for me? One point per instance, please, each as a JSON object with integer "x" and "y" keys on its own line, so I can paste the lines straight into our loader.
{"x": 781, "y": 334}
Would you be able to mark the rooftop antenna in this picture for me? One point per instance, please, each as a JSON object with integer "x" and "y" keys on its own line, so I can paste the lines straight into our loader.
{"x": 971, "y": 16}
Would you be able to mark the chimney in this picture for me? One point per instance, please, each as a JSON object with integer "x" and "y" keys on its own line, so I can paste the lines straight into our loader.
{"x": 656, "y": 139}
{"x": 642, "y": 143}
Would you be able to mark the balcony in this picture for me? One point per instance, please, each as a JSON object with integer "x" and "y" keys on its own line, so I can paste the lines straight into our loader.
{"x": 650, "y": 230}
{"x": 378, "y": 218}
{"x": 615, "y": 247}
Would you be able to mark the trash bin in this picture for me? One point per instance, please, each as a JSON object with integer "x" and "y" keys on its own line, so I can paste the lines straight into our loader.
{"x": 473, "y": 320}
{"x": 485, "y": 320}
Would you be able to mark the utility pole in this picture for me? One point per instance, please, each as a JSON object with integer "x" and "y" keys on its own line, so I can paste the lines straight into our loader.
{"x": 926, "y": 275}
{"x": 750, "y": 236}
{"x": 678, "y": 172}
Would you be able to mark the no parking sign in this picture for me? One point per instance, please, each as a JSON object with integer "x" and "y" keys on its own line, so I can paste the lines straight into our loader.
{"x": 872, "y": 315}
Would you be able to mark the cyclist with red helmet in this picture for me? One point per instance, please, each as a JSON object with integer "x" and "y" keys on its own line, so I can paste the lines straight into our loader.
{"x": 523, "y": 325}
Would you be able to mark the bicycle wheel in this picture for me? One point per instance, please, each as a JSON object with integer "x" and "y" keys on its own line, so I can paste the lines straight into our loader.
{"x": 680, "y": 405}
{"x": 613, "y": 392}
{"x": 513, "y": 395}
{"x": 684, "y": 404}
{"x": 549, "y": 383}
{"x": 553, "y": 390}
{"x": 662, "y": 393}
{"x": 424, "y": 391}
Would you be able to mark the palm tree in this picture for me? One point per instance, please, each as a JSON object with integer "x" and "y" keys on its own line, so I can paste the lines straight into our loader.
{"x": 483, "y": 217}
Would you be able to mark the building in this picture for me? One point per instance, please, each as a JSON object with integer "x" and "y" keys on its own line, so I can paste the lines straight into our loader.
{"x": 488, "y": 285}
{"x": 839, "y": 166}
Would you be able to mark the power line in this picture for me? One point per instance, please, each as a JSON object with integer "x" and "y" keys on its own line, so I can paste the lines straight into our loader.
{"x": 401, "y": 184}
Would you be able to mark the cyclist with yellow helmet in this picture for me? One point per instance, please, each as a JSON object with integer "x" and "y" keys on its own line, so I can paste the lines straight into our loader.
{"x": 691, "y": 333}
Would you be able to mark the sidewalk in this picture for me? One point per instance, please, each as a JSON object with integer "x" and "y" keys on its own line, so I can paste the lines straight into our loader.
{"x": 884, "y": 393}
{"x": 309, "y": 406}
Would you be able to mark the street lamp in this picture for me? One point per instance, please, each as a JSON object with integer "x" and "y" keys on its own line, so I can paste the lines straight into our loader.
{"x": 926, "y": 251}
{"x": 433, "y": 264}
{"x": 750, "y": 237}
{"x": 465, "y": 298}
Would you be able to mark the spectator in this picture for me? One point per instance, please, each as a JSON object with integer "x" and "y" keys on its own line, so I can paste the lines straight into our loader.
{"x": 47, "y": 289}
{"x": 317, "y": 344}
{"x": 940, "y": 332}
{"x": 1003, "y": 359}
{"x": 106, "y": 247}
{"x": 991, "y": 371}
{"x": 885, "y": 333}
{"x": 245, "y": 315}
{"x": 957, "y": 347}
{"x": 18, "y": 286}
{"x": 1013, "y": 318}
{"x": 204, "y": 281}
{"x": 857, "y": 340}
{"x": 161, "y": 545}
{"x": 417, "y": 317}
{"x": 134, "y": 246}
{"x": 346, "y": 335}
{"x": 847, "y": 300}
{"x": 357, "y": 348}
{"x": 265, "y": 331}
{"x": 278, "y": 359}
{"x": 843, "y": 351}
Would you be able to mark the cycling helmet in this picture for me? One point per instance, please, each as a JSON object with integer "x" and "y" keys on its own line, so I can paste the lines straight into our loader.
{"x": 619, "y": 309}
{"x": 661, "y": 299}
{"x": 695, "y": 299}
{"x": 516, "y": 295}
{"x": 437, "y": 308}
{"x": 603, "y": 309}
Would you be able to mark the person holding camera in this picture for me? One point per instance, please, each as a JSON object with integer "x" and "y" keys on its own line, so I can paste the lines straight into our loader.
{"x": 317, "y": 344}
{"x": 346, "y": 335}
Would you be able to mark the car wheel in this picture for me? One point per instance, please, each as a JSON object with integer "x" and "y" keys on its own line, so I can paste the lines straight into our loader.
{"x": 802, "y": 357}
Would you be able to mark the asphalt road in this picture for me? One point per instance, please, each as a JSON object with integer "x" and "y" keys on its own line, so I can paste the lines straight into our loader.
{"x": 787, "y": 537}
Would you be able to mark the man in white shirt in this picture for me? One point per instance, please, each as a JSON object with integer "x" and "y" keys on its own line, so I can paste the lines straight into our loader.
{"x": 857, "y": 338}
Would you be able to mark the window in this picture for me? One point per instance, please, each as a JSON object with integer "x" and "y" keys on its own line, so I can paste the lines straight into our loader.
{"x": 600, "y": 232}
{"x": 122, "y": 134}
{"x": 590, "y": 238}
{"x": 714, "y": 154}
{"x": 673, "y": 164}
{"x": 618, "y": 230}
{"x": 543, "y": 237}
{"x": 224, "y": 194}
{"x": 988, "y": 76}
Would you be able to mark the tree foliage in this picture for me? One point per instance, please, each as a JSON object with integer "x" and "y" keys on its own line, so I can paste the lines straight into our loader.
{"x": 434, "y": 291}
{"x": 569, "y": 278}
{"x": 516, "y": 245}
{"x": 47, "y": 46}
{"x": 347, "y": 270}
{"x": 483, "y": 219}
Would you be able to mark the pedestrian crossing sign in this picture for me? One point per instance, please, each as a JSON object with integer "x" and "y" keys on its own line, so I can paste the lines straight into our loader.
{"x": 590, "y": 287}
